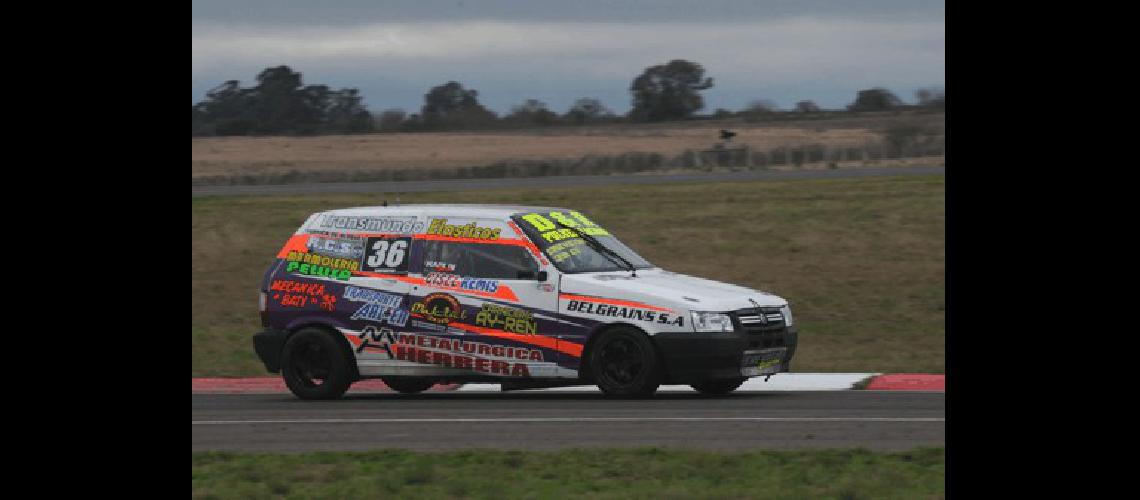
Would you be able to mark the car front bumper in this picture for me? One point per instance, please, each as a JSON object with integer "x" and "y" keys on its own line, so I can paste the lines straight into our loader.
{"x": 696, "y": 357}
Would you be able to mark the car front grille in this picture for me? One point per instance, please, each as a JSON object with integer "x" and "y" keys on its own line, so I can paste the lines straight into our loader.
{"x": 764, "y": 326}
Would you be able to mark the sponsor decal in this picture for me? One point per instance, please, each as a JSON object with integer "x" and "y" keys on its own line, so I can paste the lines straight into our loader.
{"x": 387, "y": 255}
{"x": 291, "y": 293}
{"x": 378, "y": 306}
{"x": 552, "y": 232}
{"x": 381, "y": 314}
{"x": 455, "y": 282}
{"x": 377, "y": 338}
{"x": 439, "y": 308}
{"x": 470, "y": 230}
{"x": 320, "y": 265}
{"x": 344, "y": 248}
{"x": 357, "y": 294}
{"x": 443, "y": 267}
{"x": 466, "y": 355}
{"x": 401, "y": 225}
{"x": 612, "y": 311}
{"x": 762, "y": 362}
{"x": 566, "y": 249}
{"x": 507, "y": 319}
{"x": 760, "y": 365}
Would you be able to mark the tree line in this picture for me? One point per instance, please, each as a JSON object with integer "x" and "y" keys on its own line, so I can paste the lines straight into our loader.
{"x": 281, "y": 104}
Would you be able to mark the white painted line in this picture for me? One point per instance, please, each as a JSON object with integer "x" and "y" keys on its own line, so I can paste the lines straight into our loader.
{"x": 568, "y": 419}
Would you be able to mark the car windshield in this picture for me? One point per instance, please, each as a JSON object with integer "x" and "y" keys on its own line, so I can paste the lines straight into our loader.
{"x": 575, "y": 244}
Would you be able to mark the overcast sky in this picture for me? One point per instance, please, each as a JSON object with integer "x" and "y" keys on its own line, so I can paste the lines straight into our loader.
{"x": 559, "y": 50}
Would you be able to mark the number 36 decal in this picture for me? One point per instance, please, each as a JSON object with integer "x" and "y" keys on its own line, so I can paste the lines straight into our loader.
{"x": 386, "y": 255}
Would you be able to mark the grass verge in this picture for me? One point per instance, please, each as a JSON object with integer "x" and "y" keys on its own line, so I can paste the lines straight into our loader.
{"x": 593, "y": 473}
{"x": 861, "y": 260}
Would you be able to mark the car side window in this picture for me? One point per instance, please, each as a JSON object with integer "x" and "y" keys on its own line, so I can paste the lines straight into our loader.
{"x": 477, "y": 260}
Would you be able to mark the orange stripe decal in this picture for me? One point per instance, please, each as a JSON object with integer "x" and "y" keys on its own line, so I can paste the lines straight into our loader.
{"x": 397, "y": 277}
{"x": 538, "y": 340}
{"x": 504, "y": 292}
{"x": 296, "y": 243}
{"x": 603, "y": 300}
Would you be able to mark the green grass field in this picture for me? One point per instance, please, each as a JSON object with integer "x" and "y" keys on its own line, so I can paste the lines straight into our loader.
{"x": 596, "y": 473}
{"x": 861, "y": 260}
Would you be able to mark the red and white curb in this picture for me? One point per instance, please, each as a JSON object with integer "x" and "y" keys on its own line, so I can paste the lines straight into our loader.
{"x": 907, "y": 382}
{"x": 778, "y": 382}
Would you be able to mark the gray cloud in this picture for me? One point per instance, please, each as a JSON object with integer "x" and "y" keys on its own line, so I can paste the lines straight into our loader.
{"x": 349, "y": 12}
{"x": 785, "y": 51}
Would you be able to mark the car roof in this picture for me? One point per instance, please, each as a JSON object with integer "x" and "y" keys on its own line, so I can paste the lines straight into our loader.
{"x": 451, "y": 209}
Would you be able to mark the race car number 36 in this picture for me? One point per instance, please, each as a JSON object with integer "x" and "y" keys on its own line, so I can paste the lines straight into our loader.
{"x": 386, "y": 255}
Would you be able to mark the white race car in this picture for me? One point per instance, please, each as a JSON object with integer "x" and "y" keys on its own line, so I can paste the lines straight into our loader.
{"x": 523, "y": 296}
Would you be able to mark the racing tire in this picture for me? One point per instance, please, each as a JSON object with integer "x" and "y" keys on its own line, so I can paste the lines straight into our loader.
{"x": 624, "y": 363}
{"x": 315, "y": 366}
{"x": 408, "y": 385}
{"x": 718, "y": 387}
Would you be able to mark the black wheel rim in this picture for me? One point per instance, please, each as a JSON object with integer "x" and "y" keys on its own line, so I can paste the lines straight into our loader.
{"x": 620, "y": 361}
{"x": 311, "y": 364}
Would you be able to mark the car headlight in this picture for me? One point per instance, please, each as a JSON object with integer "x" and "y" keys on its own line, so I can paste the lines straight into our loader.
{"x": 786, "y": 312}
{"x": 711, "y": 322}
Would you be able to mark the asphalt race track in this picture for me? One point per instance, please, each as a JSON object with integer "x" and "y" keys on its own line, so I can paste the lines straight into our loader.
{"x": 880, "y": 420}
{"x": 552, "y": 181}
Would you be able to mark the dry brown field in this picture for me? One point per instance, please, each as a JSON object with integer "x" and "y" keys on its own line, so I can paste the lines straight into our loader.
{"x": 232, "y": 156}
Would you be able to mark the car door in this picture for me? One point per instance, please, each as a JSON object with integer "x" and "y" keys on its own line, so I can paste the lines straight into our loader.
{"x": 481, "y": 293}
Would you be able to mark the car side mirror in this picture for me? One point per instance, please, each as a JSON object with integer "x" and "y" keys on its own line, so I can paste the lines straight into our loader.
{"x": 530, "y": 275}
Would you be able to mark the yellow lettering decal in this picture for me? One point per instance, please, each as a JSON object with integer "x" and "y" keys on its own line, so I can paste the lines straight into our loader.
{"x": 566, "y": 221}
{"x": 579, "y": 216}
{"x": 542, "y": 224}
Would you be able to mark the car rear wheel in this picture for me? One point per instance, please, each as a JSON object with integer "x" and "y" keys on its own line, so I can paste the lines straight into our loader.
{"x": 408, "y": 385}
{"x": 625, "y": 364}
{"x": 718, "y": 387}
{"x": 314, "y": 366}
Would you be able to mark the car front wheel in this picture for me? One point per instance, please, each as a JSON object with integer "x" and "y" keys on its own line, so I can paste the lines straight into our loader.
{"x": 625, "y": 364}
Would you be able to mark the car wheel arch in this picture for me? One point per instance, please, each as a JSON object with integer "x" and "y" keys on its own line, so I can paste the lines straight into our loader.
{"x": 332, "y": 332}
{"x": 596, "y": 333}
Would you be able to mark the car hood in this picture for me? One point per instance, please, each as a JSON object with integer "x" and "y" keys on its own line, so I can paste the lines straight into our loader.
{"x": 668, "y": 289}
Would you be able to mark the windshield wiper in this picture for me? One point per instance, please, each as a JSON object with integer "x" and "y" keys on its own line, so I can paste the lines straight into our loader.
{"x": 606, "y": 252}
